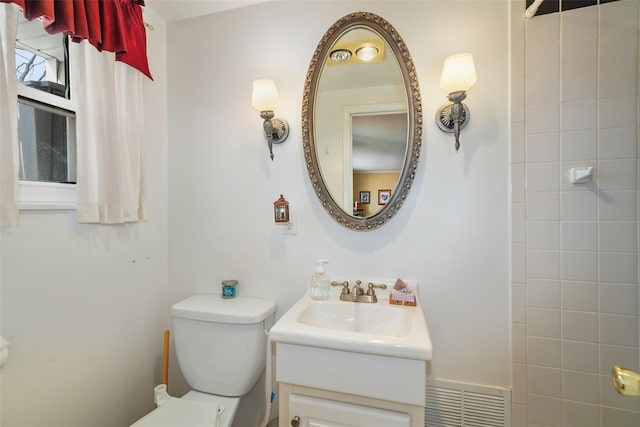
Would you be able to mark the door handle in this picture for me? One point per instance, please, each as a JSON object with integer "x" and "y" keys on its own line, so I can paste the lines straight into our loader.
{"x": 625, "y": 381}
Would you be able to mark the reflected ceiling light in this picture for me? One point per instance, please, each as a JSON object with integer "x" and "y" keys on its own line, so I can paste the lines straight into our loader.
{"x": 458, "y": 75}
{"x": 340, "y": 55}
{"x": 362, "y": 51}
{"x": 367, "y": 53}
{"x": 265, "y": 99}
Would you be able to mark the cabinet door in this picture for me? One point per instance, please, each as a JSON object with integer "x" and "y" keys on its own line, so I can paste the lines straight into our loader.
{"x": 314, "y": 412}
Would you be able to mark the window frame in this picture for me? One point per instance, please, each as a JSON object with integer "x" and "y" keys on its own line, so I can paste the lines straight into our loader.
{"x": 41, "y": 195}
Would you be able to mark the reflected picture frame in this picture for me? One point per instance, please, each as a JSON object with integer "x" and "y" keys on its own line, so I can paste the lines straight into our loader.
{"x": 384, "y": 196}
{"x": 365, "y": 197}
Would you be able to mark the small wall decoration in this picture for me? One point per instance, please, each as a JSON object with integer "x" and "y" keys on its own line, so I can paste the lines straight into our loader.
{"x": 281, "y": 210}
{"x": 365, "y": 197}
{"x": 383, "y": 196}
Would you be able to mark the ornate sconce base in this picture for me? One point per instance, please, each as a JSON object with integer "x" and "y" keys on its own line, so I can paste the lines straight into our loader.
{"x": 279, "y": 130}
{"x": 452, "y": 118}
{"x": 276, "y": 130}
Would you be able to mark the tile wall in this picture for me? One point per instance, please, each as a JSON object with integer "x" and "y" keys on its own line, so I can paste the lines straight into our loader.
{"x": 575, "y": 246}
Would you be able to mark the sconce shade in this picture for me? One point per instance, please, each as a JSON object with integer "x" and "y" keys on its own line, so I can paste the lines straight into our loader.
{"x": 458, "y": 73}
{"x": 265, "y": 95}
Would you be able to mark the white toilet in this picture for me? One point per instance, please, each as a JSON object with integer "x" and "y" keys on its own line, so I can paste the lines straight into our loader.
{"x": 221, "y": 346}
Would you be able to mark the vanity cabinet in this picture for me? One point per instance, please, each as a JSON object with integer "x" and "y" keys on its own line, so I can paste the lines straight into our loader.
{"x": 326, "y": 387}
{"x": 309, "y": 407}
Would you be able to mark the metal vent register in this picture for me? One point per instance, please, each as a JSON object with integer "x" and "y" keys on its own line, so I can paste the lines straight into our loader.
{"x": 453, "y": 404}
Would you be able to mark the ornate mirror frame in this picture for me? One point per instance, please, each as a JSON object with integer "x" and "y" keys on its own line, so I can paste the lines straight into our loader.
{"x": 414, "y": 110}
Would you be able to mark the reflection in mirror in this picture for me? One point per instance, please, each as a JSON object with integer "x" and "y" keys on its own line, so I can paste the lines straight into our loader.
{"x": 361, "y": 121}
{"x": 379, "y": 142}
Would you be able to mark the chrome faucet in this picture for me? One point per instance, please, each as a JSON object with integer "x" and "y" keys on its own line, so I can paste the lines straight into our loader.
{"x": 357, "y": 294}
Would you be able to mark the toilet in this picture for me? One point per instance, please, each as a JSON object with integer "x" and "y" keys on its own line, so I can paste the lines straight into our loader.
{"x": 221, "y": 347}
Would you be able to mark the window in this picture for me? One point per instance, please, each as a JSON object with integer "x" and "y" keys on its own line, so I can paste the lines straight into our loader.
{"x": 46, "y": 119}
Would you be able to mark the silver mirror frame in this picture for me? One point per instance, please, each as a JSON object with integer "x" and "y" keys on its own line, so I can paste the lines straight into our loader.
{"x": 414, "y": 110}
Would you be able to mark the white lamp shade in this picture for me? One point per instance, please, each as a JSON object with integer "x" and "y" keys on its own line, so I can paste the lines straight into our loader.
{"x": 265, "y": 95}
{"x": 458, "y": 73}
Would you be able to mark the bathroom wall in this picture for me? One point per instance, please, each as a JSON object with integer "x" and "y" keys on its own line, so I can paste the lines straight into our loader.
{"x": 84, "y": 320}
{"x": 575, "y": 246}
{"x": 452, "y": 235}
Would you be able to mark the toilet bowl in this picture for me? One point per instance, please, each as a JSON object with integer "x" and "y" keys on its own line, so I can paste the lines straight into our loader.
{"x": 221, "y": 347}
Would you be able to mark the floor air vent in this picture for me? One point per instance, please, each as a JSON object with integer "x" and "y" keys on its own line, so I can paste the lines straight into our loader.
{"x": 453, "y": 404}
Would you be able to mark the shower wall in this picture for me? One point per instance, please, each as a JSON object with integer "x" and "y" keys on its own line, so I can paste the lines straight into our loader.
{"x": 575, "y": 245}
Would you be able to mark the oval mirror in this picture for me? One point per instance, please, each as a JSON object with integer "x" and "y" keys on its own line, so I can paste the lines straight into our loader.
{"x": 361, "y": 121}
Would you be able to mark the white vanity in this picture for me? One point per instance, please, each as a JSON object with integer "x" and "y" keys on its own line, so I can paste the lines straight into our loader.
{"x": 351, "y": 363}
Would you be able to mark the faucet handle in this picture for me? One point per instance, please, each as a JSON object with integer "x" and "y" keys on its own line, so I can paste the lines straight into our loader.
{"x": 345, "y": 286}
{"x": 371, "y": 285}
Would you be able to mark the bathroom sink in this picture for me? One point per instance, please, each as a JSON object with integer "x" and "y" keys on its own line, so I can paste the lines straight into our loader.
{"x": 356, "y": 317}
{"x": 373, "y": 328}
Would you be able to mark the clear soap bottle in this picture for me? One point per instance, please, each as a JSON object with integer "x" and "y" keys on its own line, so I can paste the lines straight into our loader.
{"x": 320, "y": 285}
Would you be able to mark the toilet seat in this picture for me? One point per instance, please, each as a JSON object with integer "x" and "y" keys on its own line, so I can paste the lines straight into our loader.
{"x": 182, "y": 412}
{"x": 230, "y": 404}
{"x": 194, "y": 409}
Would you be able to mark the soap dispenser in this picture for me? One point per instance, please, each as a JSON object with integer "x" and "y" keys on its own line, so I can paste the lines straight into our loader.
{"x": 319, "y": 285}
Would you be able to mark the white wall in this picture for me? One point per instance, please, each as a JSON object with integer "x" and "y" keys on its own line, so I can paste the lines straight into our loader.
{"x": 451, "y": 235}
{"x": 85, "y": 322}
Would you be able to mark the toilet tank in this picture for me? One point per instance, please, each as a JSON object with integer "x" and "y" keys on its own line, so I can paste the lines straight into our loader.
{"x": 221, "y": 343}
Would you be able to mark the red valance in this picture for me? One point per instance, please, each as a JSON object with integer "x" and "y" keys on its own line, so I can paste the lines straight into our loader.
{"x": 111, "y": 25}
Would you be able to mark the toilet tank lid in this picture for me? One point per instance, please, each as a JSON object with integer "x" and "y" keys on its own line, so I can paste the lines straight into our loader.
{"x": 213, "y": 308}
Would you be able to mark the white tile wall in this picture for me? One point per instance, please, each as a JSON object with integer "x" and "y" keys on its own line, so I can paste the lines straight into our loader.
{"x": 575, "y": 246}
{"x": 617, "y": 143}
{"x": 580, "y": 415}
{"x": 580, "y": 356}
{"x": 544, "y": 352}
{"x": 581, "y": 296}
{"x": 543, "y": 293}
{"x": 543, "y": 147}
{"x": 579, "y": 145}
{"x": 580, "y": 387}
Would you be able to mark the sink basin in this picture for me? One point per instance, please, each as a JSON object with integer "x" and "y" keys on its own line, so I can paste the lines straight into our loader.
{"x": 356, "y": 317}
{"x": 372, "y": 328}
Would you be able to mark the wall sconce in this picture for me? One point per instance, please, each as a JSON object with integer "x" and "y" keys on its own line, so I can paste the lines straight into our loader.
{"x": 281, "y": 210}
{"x": 458, "y": 76}
{"x": 265, "y": 99}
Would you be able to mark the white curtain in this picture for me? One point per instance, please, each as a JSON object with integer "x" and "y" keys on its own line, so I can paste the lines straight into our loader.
{"x": 8, "y": 117}
{"x": 109, "y": 123}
